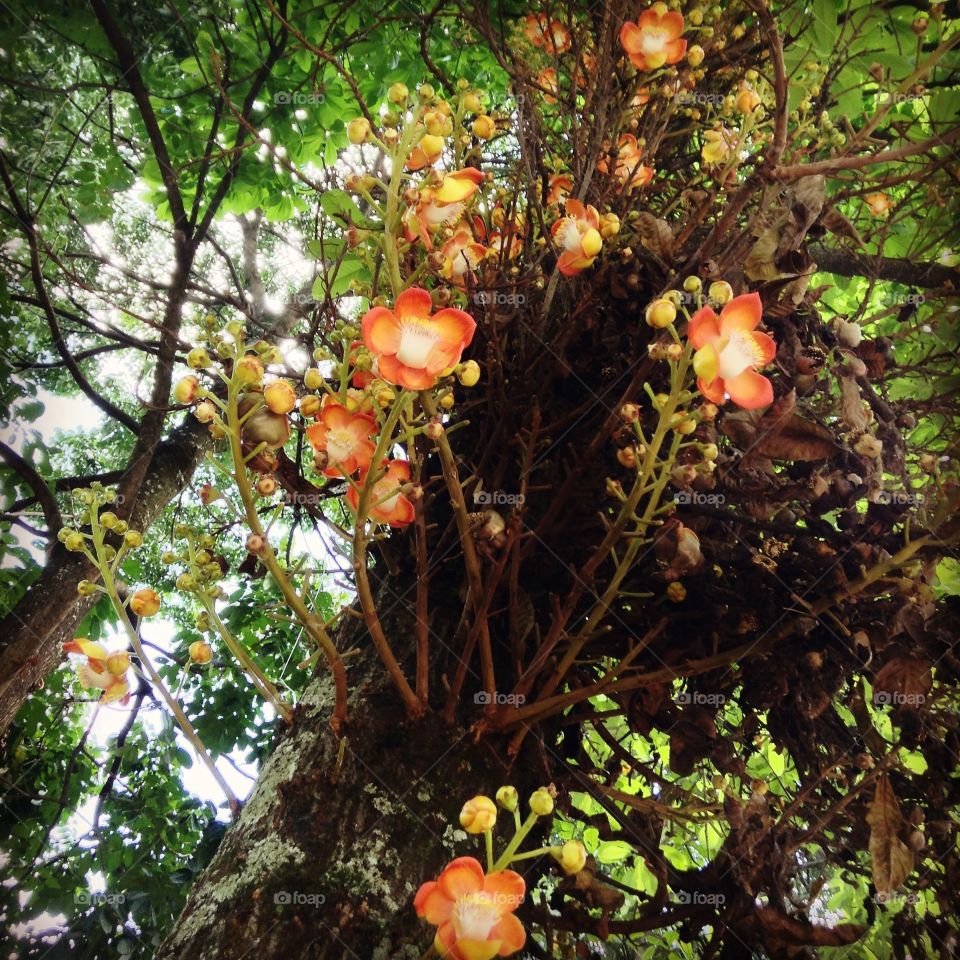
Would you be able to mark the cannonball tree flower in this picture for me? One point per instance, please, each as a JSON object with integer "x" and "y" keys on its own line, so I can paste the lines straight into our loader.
{"x": 879, "y": 203}
{"x": 473, "y": 911}
{"x": 462, "y": 256}
{"x": 547, "y": 79}
{"x": 102, "y": 670}
{"x": 654, "y": 40}
{"x": 344, "y": 437}
{"x": 578, "y": 236}
{"x": 718, "y": 146}
{"x": 387, "y": 504}
{"x": 551, "y": 35}
{"x": 628, "y": 168}
{"x": 559, "y": 187}
{"x": 412, "y": 345}
{"x": 426, "y": 153}
{"x": 730, "y": 350}
{"x": 458, "y": 186}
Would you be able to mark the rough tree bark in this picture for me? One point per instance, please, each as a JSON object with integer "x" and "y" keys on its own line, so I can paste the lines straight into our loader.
{"x": 32, "y": 632}
{"x": 325, "y": 858}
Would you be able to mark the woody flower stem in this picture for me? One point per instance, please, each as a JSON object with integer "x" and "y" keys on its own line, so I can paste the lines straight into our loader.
{"x": 314, "y": 627}
{"x": 110, "y": 588}
{"x": 415, "y": 707}
{"x": 452, "y": 479}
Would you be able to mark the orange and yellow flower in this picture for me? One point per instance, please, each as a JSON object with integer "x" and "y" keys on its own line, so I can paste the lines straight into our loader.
{"x": 102, "y": 670}
{"x": 628, "y": 170}
{"x": 473, "y": 911}
{"x": 344, "y": 437}
{"x": 549, "y": 34}
{"x": 462, "y": 256}
{"x": 879, "y": 203}
{"x": 387, "y": 503}
{"x": 578, "y": 236}
{"x": 547, "y": 80}
{"x": 654, "y": 40}
{"x": 441, "y": 205}
{"x": 730, "y": 350}
{"x": 411, "y": 345}
{"x": 559, "y": 187}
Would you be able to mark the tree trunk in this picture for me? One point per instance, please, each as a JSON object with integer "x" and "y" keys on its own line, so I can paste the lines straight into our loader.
{"x": 328, "y": 852}
{"x": 32, "y": 633}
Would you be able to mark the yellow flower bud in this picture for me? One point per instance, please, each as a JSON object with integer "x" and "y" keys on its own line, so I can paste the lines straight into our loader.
{"x": 358, "y": 130}
{"x": 508, "y": 798}
{"x": 198, "y": 358}
{"x": 426, "y": 91}
{"x": 661, "y": 313}
{"x": 484, "y": 127}
{"x": 572, "y": 857}
{"x": 145, "y": 602}
{"x": 541, "y": 802}
{"x": 469, "y": 374}
{"x": 720, "y": 292}
{"x": 313, "y": 379}
{"x": 86, "y": 588}
{"x": 695, "y": 55}
{"x": 447, "y": 401}
{"x": 398, "y": 93}
{"x": 201, "y": 652}
{"x": 279, "y": 397}
{"x": 205, "y": 411}
{"x": 609, "y": 225}
{"x": 249, "y": 369}
{"x": 118, "y": 663}
{"x": 185, "y": 390}
{"x": 133, "y": 539}
{"x": 628, "y": 457}
{"x": 676, "y": 592}
{"x": 478, "y": 815}
{"x": 693, "y": 284}
{"x": 472, "y": 104}
{"x": 108, "y": 520}
{"x": 310, "y": 406}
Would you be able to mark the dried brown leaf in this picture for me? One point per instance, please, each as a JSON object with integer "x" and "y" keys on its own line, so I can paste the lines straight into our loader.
{"x": 892, "y": 860}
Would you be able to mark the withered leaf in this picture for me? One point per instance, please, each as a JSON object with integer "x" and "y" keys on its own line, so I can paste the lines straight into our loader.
{"x": 655, "y": 235}
{"x": 798, "y": 439}
{"x": 771, "y": 423}
{"x": 806, "y": 199}
{"x": 891, "y": 858}
{"x": 838, "y": 224}
{"x": 760, "y": 264}
{"x": 852, "y": 409}
{"x": 903, "y": 682}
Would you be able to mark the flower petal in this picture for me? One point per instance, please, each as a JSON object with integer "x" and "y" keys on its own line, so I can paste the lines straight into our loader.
{"x": 570, "y": 263}
{"x": 432, "y": 904}
{"x": 631, "y": 38}
{"x": 672, "y": 24}
{"x": 711, "y": 391}
{"x": 741, "y": 313}
{"x": 459, "y": 185}
{"x": 87, "y": 647}
{"x": 335, "y": 416}
{"x": 509, "y": 930}
{"x": 455, "y": 325}
{"x": 706, "y": 363}
{"x": 750, "y": 390}
{"x": 381, "y": 330}
{"x": 703, "y": 328}
{"x": 413, "y": 302}
{"x": 767, "y": 345}
{"x": 393, "y": 371}
{"x": 478, "y": 949}
{"x": 402, "y": 514}
{"x": 507, "y": 889}
{"x": 461, "y": 876}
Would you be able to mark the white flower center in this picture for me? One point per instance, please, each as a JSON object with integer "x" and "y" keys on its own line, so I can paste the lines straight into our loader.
{"x": 739, "y": 352}
{"x": 653, "y": 41}
{"x": 416, "y": 342}
{"x": 339, "y": 444}
{"x": 385, "y": 488}
{"x": 474, "y": 917}
{"x": 569, "y": 235}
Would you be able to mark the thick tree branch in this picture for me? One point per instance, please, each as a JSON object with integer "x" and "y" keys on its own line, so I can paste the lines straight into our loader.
{"x": 845, "y": 263}
{"x": 51, "y": 512}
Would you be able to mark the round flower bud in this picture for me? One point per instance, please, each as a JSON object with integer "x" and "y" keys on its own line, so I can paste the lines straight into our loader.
{"x": 255, "y": 543}
{"x": 74, "y": 541}
{"x": 541, "y": 803}
{"x": 198, "y": 358}
{"x": 145, "y": 602}
{"x": 572, "y": 857}
{"x": 661, "y": 313}
{"x": 266, "y": 486}
{"x": 185, "y": 390}
{"x": 708, "y": 411}
{"x": 358, "y": 130}
{"x": 310, "y": 406}
{"x": 720, "y": 292}
{"x": 469, "y": 374}
{"x": 133, "y": 539}
{"x": 108, "y": 520}
{"x": 434, "y": 430}
{"x": 676, "y": 592}
{"x": 279, "y": 396}
{"x": 693, "y": 284}
{"x": 472, "y": 103}
{"x": 426, "y": 91}
{"x": 484, "y": 127}
{"x": 508, "y": 798}
{"x": 86, "y": 588}
{"x": 630, "y": 412}
{"x": 205, "y": 411}
{"x": 447, "y": 401}
{"x": 695, "y": 55}
{"x": 627, "y": 457}
{"x": 398, "y": 93}
{"x": 186, "y": 582}
{"x": 201, "y": 652}
{"x": 249, "y": 369}
{"x": 313, "y": 379}
{"x": 683, "y": 424}
{"x": 709, "y": 451}
{"x": 478, "y": 815}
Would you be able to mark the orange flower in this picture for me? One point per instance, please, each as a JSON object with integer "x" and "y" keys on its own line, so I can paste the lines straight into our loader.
{"x": 629, "y": 170}
{"x": 654, "y": 41}
{"x": 879, "y": 203}
{"x": 387, "y": 503}
{"x": 547, "y": 79}
{"x": 549, "y": 34}
{"x": 458, "y": 186}
{"x": 559, "y": 187}
{"x": 344, "y": 437}
{"x": 473, "y": 911}
{"x": 730, "y": 350}
{"x": 440, "y": 205}
{"x": 461, "y": 256}
{"x": 103, "y": 670}
{"x": 426, "y": 153}
{"x": 410, "y": 345}
{"x": 578, "y": 236}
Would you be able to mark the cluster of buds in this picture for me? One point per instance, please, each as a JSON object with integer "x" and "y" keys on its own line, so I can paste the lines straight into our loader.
{"x": 203, "y": 571}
